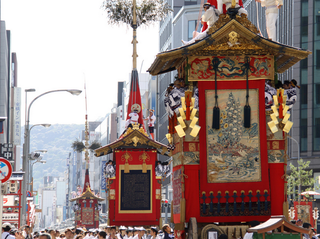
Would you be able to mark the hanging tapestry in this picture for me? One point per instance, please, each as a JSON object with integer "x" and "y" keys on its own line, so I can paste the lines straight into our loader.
{"x": 233, "y": 151}
{"x": 230, "y": 67}
{"x": 87, "y": 215}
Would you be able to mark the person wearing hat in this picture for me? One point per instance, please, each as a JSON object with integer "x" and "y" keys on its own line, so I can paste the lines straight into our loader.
{"x": 210, "y": 16}
{"x": 143, "y": 233}
{"x": 138, "y": 233}
{"x": 167, "y": 231}
{"x": 6, "y": 227}
{"x": 69, "y": 234}
{"x": 129, "y": 233}
{"x": 122, "y": 232}
{"x": 151, "y": 120}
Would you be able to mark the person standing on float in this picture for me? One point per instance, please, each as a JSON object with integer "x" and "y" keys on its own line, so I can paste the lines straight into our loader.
{"x": 151, "y": 120}
{"x": 272, "y": 13}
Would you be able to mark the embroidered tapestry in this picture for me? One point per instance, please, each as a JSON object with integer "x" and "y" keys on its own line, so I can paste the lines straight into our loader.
{"x": 233, "y": 153}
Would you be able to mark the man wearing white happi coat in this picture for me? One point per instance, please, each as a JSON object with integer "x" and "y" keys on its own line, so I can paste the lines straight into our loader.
{"x": 272, "y": 13}
{"x": 210, "y": 16}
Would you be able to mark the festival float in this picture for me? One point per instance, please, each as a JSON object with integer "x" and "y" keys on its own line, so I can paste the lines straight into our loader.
{"x": 229, "y": 131}
{"x": 134, "y": 174}
{"x": 86, "y": 205}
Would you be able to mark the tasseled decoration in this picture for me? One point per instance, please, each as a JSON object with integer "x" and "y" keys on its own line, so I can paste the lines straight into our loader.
{"x": 247, "y": 108}
{"x": 216, "y": 110}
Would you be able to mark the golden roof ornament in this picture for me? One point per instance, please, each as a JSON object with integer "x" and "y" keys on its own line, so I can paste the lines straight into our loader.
{"x": 233, "y": 3}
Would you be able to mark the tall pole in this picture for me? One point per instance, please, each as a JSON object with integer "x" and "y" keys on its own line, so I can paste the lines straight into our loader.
{"x": 26, "y": 154}
{"x": 134, "y": 40}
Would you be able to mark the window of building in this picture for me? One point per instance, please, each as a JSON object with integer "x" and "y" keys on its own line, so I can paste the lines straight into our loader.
{"x": 316, "y": 133}
{"x": 316, "y": 79}
{"x": 304, "y": 95}
{"x": 304, "y": 26}
{"x": 304, "y": 21}
{"x": 303, "y": 134}
{"x": 317, "y": 93}
{"x": 190, "y": 2}
{"x": 303, "y": 127}
{"x": 304, "y": 63}
{"x": 191, "y": 27}
{"x": 318, "y": 58}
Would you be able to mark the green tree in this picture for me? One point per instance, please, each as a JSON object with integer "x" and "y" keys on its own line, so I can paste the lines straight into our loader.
{"x": 300, "y": 176}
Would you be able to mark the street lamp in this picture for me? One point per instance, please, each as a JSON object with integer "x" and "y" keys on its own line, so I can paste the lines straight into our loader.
{"x": 31, "y": 173}
{"x": 35, "y": 155}
{"x": 299, "y": 186}
{"x": 43, "y": 125}
{"x": 26, "y": 150}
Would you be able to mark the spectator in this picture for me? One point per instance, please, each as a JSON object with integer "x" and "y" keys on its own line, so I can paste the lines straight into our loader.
{"x": 167, "y": 231}
{"x": 45, "y": 236}
{"x": 6, "y": 227}
{"x": 102, "y": 235}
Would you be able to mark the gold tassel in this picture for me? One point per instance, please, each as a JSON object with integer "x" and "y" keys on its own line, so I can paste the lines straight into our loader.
{"x": 126, "y": 168}
{"x": 144, "y": 167}
{"x": 171, "y": 218}
{"x": 286, "y": 210}
{"x": 183, "y": 210}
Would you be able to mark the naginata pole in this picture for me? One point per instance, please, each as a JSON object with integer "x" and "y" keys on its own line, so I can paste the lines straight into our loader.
{"x": 134, "y": 40}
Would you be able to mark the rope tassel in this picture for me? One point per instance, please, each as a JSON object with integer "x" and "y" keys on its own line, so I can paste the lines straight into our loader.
{"x": 247, "y": 108}
{"x": 216, "y": 110}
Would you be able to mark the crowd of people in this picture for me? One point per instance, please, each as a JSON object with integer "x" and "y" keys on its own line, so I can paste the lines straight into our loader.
{"x": 109, "y": 232}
